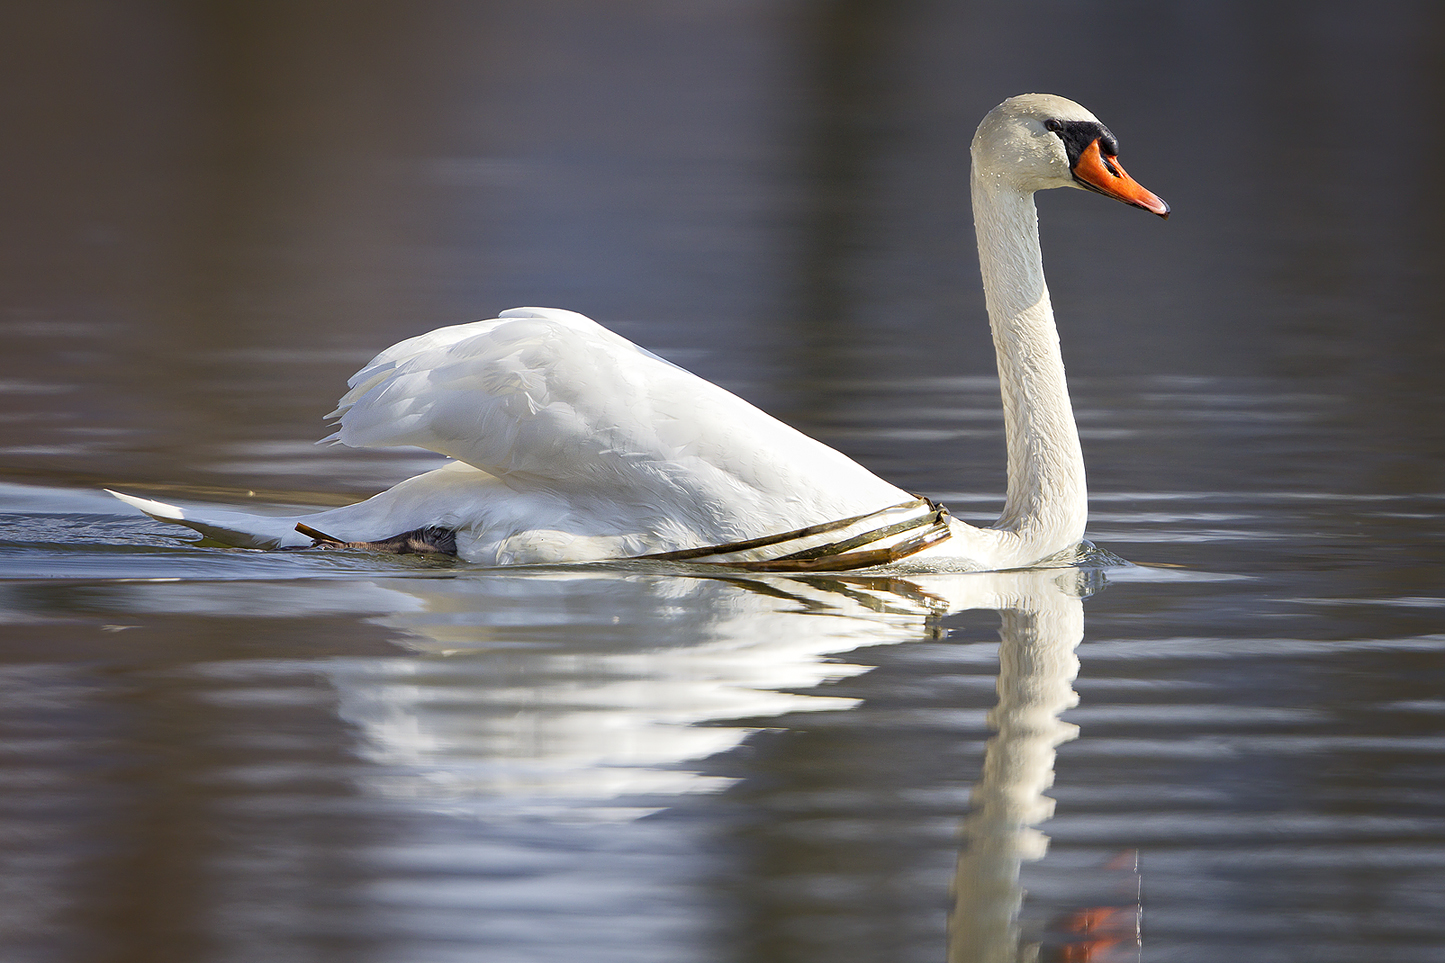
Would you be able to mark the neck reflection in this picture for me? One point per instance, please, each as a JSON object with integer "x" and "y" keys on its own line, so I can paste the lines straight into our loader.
{"x": 1039, "y": 632}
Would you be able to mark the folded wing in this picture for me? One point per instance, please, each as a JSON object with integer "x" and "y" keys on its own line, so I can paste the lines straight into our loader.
{"x": 549, "y": 400}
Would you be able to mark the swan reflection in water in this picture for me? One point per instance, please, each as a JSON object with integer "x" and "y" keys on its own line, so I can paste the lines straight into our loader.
{"x": 1041, "y": 626}
{"x": 520, "y": 700}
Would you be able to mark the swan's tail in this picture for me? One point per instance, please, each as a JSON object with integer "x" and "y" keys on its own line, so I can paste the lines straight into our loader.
{"x": 233, "y": 528}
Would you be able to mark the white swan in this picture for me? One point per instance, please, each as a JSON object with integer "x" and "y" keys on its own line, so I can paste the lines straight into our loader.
{"x": 573, "y": 444}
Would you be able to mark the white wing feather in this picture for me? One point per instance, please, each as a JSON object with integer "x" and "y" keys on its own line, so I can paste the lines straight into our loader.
{"x": 572, "y": 444}
{"x": 548, "y": 400}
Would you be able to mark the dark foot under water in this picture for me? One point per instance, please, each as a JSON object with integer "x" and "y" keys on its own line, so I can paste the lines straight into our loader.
{"x": 422, "y": 541}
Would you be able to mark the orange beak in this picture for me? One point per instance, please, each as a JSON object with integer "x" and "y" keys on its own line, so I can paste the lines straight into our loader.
{"x": 1102, "y": 173}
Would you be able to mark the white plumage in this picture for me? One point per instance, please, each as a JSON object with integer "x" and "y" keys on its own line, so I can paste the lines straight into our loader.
{"x": 573, "y": 444}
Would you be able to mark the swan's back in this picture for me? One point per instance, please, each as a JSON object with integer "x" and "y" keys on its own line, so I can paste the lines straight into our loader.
{"x": 550, "y": 401}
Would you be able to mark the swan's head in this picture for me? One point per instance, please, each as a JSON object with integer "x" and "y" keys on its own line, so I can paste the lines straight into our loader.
{"x": 1033, "y": 142}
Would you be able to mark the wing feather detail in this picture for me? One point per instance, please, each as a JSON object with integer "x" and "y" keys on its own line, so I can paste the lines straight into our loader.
{"x": 550, "y": 400}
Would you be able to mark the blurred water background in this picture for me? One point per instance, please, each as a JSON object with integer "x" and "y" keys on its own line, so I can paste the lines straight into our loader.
{"x": 213, "y": 213}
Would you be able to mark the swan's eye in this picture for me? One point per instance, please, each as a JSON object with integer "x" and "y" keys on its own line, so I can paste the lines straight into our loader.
{"x": 1054, "y": 125}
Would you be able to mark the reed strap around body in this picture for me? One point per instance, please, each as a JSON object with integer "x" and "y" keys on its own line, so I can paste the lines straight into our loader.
{"x": 875, "y": 538}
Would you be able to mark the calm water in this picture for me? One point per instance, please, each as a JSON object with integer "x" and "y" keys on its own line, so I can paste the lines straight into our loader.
{"x": 218, "y": 755}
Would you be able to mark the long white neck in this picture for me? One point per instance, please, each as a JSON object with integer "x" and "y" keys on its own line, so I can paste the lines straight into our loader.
{"x": 1047, "y": 502}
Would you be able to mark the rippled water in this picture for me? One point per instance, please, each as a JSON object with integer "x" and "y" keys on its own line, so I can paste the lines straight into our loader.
{"x": 1232, "y": 748}
{"x": 242, "y": 755}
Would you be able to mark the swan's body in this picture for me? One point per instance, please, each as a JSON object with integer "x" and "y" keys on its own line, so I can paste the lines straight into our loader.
{"x": 573, "y": 444}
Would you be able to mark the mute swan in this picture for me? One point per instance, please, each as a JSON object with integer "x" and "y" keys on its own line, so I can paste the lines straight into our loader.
{"x": 572, "y": 444}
